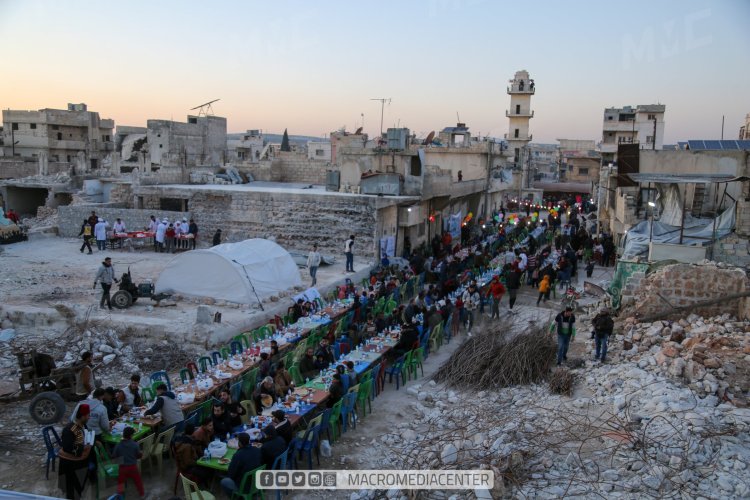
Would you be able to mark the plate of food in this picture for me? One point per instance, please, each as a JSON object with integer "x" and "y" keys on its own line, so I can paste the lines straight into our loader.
{"x": 224, "y": 461}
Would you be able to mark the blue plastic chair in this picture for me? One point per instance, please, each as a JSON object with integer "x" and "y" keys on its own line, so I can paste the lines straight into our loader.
{"x": 193, "y": 418}
{"x": 308, "y": 443}
{"x": 161, "y": 376}
{"x": 324, "y": 424}
{"x": 424, "y": 342}
{"x": 447, "y": 331}
{"x": 336, "y": 351}
{"x": 348, "y": 412}
{"x": 279, "y": 463}
{"x": 48, "y": 433}
{"x": 375, "y": 370}
{"x": 397, "y": 368}
{"x": 236, "y": 347}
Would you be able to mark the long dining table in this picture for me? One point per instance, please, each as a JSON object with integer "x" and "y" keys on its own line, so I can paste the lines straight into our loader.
{"x": 229, "y": 371}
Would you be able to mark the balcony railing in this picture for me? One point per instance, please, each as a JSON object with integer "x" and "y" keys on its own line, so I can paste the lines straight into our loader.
{"x": 522, "y": 114}
{"x": 510, "y": 137}
{"x": 517, "y": 89}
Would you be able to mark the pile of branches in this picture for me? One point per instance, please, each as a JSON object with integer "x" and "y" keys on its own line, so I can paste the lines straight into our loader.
{"x": 491, "y": 360}
{"x": 561, "y": 381}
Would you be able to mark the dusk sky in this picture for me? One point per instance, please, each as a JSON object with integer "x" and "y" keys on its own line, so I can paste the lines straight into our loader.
{"x": 313, "y": 67}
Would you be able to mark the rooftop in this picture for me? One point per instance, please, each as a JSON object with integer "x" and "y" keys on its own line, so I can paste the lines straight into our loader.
{"x": 274, "y": 187}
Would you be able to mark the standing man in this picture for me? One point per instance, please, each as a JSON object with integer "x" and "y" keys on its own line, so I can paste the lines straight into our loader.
{"x": 161, "y": 231}
{"x": 496, "y": 291}
{"x": 565, "y": 332}
{"x": 193, "y": 229}
{"x": 85, "y": 381}
{"x": 603, "y": 327}
{"x": 349, "y": 252}
{"x": 119, "y": 227}
{"x": 106, "y": 275}
{"x": 87, "y": 233}
{"x": 74, "y": 454}
{"x": 471, "y": 300}
{"x": 513, "y": 283}
{"x": 313, "y": 262}
{"x": 152, "y": 224}
{"x": 100, "y": 232}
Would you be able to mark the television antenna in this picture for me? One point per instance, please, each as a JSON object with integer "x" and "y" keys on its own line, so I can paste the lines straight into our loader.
{"x": 205, "y": 109}
{"x": 382, "y": 107}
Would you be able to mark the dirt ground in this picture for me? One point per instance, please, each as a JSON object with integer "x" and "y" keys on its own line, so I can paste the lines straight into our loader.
{"x": 37, "y": 275}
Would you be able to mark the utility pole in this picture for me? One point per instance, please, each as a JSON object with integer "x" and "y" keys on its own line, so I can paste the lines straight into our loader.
{"x": 490, "y": 144}
{"x": 653, "y": 144}
{"x": 382, "y": 109}
{"x": 722, "y": 127}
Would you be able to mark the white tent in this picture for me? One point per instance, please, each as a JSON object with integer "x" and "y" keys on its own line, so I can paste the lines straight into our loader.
{"x": 245, "y": 272}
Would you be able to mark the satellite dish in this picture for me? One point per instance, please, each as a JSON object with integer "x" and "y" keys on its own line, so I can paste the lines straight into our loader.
{"x": 359, "y": 131}
{"x": 429, "y": 139}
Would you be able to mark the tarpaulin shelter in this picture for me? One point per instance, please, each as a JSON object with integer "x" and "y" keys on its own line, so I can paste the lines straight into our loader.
{"x": 246, "y": 272}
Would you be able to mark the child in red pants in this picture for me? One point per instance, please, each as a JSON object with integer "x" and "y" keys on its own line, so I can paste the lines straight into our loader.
{"x": 130, "y": 453}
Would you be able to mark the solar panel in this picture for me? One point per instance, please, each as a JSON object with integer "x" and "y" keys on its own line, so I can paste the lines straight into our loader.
{"x": 729, "y": 145}
{"x": 696, "y": 145}
{"x": 713, "y": 145}
{"x": 743, "y": 144}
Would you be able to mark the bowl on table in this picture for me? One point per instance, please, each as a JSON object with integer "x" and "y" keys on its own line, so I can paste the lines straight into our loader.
{"x": 217, "y": 448}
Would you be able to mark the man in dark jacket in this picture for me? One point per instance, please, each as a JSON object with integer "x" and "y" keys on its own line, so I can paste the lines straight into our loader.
{"x": 307, "y": 365}
{"x": 565, "y": 331}
{"x": 512, "y": 284}
{"x": 273, "y": 446}
{"x": 603, "y": 326}
{"x": 247, "y": 458}
{"x": 221, "y": 420}
{"x": 409, "y": 336}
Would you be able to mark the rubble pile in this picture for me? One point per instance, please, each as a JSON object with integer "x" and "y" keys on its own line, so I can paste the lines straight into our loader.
{"x": 45, "y": 217}
{"x": 117, "y": 351}
{"x": 712, "y": 356}
{"x": 657, "y": 439}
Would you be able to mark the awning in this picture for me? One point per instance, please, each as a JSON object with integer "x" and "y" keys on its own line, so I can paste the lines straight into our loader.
{"x": 643, "y": 178}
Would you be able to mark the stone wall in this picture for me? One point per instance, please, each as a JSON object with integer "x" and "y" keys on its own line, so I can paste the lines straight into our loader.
{"x": 295, "y": 221}
{"x": 296, "y": 168}
{"x": 17, "y": 168}
{"x": 732, "y": 250}
{"x": 71, "y": 217}
{"x": 685, "y": 284}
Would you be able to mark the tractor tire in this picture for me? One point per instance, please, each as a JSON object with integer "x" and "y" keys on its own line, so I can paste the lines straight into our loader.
{"x": 122, "y": 299}
{"x": 47, "y": 408}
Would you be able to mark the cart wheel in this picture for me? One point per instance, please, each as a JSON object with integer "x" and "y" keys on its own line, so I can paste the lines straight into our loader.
{"x": 47, "y": 408}
{"x": 122, "y": 299}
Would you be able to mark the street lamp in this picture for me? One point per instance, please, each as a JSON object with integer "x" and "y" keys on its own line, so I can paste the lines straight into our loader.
{"x": 652, "y": 205}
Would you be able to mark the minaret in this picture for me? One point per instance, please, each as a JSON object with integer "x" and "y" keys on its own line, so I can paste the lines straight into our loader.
{"x": 520, "y": 90}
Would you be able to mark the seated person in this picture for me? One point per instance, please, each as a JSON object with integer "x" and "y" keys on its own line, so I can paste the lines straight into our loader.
{"x": 307, "y": 367}
{"x": 201, "y": 436}
{"x": 283, "y": 426}
{"x": 273, "y": 446}
{"x": 282, "y": 379}
{"x": 409, "y": 336}
{"x": 335, "y": 391}
{"x": 247, "y": 458}
{"x": 186, "y": 455}
{"x": 274, "y": 349}
{"x": 326, "y": 351}
{"x": 221, "y": 421}
{"x": 231, "y": 408}
{"x": 320, "y": 362}
{"x": 264, "y": 391}
{"x": 297, "y": 310}
{"x": 264, "y": 368}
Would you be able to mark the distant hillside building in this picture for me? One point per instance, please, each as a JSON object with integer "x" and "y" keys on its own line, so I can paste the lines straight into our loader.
{"x": 60, "y": 134}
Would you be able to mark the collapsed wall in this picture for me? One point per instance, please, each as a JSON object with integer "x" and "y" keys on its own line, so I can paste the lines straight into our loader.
{"x": 683, "y": 285}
